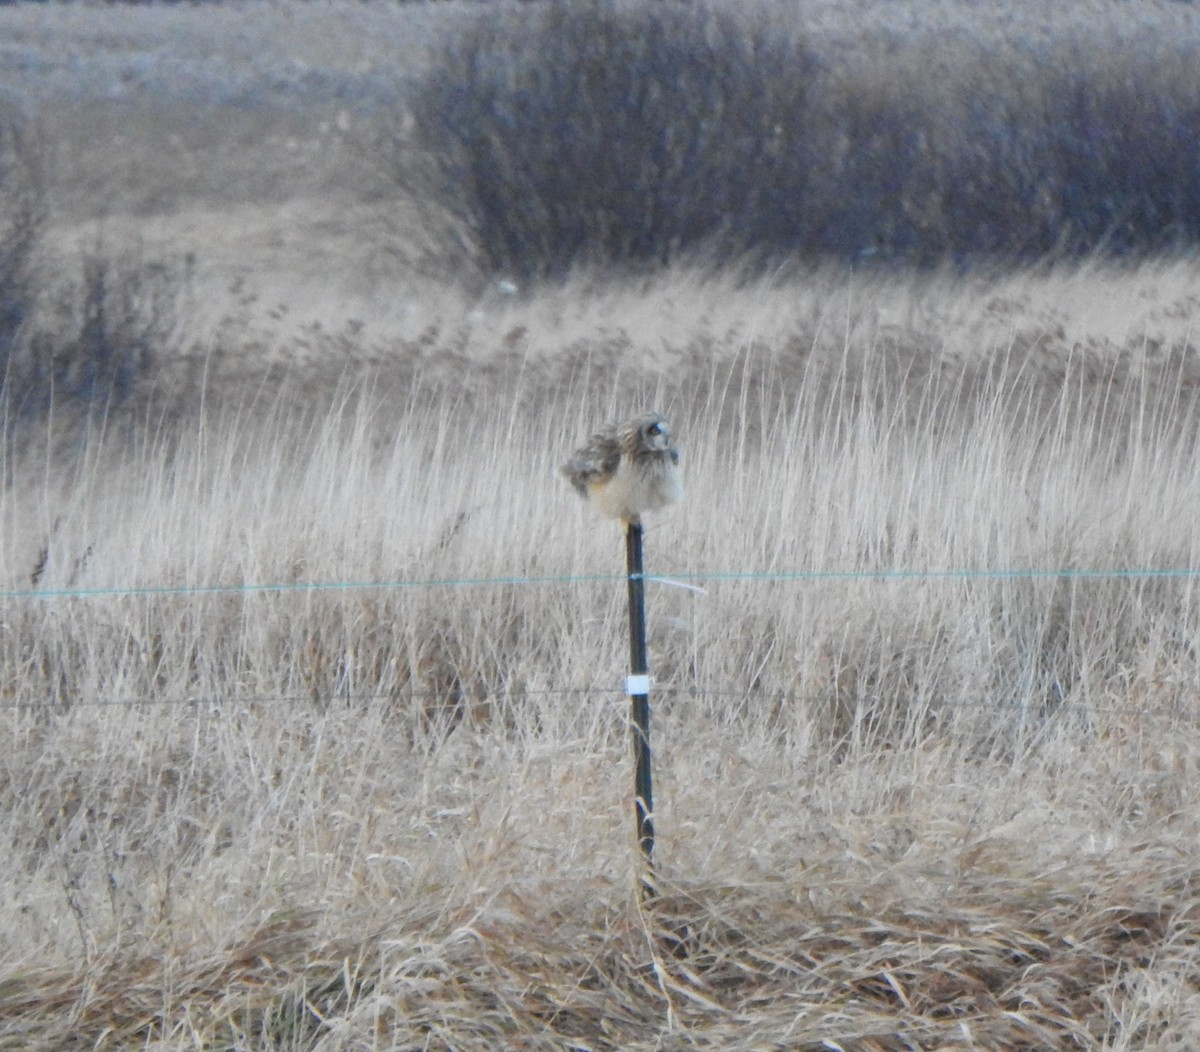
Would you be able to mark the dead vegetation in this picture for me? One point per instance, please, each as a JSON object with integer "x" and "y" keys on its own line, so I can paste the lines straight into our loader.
{"x": 903, "y": 802}
{"x": 312, "y": 668}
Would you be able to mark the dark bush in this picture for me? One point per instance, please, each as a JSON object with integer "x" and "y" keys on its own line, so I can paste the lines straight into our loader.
{"x": 22, "y": 220}
{"x": 633, "y": 133}
{"x": 84, "y": 341}
{"x": 1124, "y": 143}
{"x": 594, "y": 130}
{"x": 93, "y": 340}
{"x": 104, "y": 332}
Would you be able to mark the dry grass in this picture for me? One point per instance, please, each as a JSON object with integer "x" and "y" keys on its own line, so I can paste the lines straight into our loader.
{"x": 947, "y": 811}
{"x": 915, "y": 813}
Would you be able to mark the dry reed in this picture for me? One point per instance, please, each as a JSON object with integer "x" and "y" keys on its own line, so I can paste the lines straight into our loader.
{"x": 920, "y": 812}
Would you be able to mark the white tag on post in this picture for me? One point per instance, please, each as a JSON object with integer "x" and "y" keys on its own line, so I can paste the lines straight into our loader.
{"x": 637, "y": 684}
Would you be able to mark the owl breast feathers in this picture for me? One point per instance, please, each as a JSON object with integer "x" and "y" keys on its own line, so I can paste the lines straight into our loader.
{"x": 629, "y": 468}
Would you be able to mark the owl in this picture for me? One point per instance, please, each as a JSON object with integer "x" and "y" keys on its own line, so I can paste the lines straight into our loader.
{"x": 627, "y": 469}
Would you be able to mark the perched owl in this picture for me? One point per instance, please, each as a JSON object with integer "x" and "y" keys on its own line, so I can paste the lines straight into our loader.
{"x": 628, "y": 468}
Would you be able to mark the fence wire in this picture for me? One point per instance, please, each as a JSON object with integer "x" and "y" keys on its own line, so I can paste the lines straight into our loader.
{"x": 215, "y": 704}
{"x": 1049, "y": 706}
{"x": 690, "y": 576}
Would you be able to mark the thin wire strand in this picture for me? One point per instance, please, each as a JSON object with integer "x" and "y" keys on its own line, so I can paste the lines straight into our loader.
{"x": 1047, "y": 707}
{"x": 884, "y": 574}
{"x": 1050, "y": 705}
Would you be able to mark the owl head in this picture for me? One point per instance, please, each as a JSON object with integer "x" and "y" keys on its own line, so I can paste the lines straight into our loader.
{"x": 653, "y": 432}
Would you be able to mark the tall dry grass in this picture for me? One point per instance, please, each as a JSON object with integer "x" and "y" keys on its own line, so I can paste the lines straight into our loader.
{"x": 894, "y": 811}
{"x": 935, "y": 810}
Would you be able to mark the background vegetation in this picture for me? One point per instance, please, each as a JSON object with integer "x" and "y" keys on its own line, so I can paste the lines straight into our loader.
{"x": 926, "y": 746}
{"x": 632, "y": 133}
{"x": 22, "y": 218}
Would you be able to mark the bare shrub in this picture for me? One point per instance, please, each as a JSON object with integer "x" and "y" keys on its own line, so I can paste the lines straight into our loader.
{"x": 83, "y": 341}
{"x": 606, "y": 132}
{"x": 97, "y": 335}
{"x": 22, "y": 220}
{"x": 633, "y": 134}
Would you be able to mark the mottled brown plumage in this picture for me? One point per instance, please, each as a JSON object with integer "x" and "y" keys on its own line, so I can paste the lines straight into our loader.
{"x": 628, "y": 468}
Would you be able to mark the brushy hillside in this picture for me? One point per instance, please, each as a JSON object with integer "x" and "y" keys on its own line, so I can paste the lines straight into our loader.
{"x": 535, "y": 137}
{"x": 312, "y": 665}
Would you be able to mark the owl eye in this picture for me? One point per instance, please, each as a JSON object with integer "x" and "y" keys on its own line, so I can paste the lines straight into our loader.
{"x": 654, "y": 429}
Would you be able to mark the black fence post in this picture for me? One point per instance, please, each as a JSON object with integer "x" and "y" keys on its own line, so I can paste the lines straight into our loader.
{"x": 638, "y": 686}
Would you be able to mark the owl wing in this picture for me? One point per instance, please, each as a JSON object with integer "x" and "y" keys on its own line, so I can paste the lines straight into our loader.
{"x": 595, "y": 462}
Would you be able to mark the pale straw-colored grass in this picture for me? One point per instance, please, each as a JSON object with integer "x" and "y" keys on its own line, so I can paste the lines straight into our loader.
{"x": 935, "y": 810}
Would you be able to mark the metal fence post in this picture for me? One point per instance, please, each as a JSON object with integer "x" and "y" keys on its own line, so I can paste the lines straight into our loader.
{"x": 638, "y": 688}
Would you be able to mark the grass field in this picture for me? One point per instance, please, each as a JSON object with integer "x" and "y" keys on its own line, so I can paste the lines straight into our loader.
{"x": 927, "y": 745}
